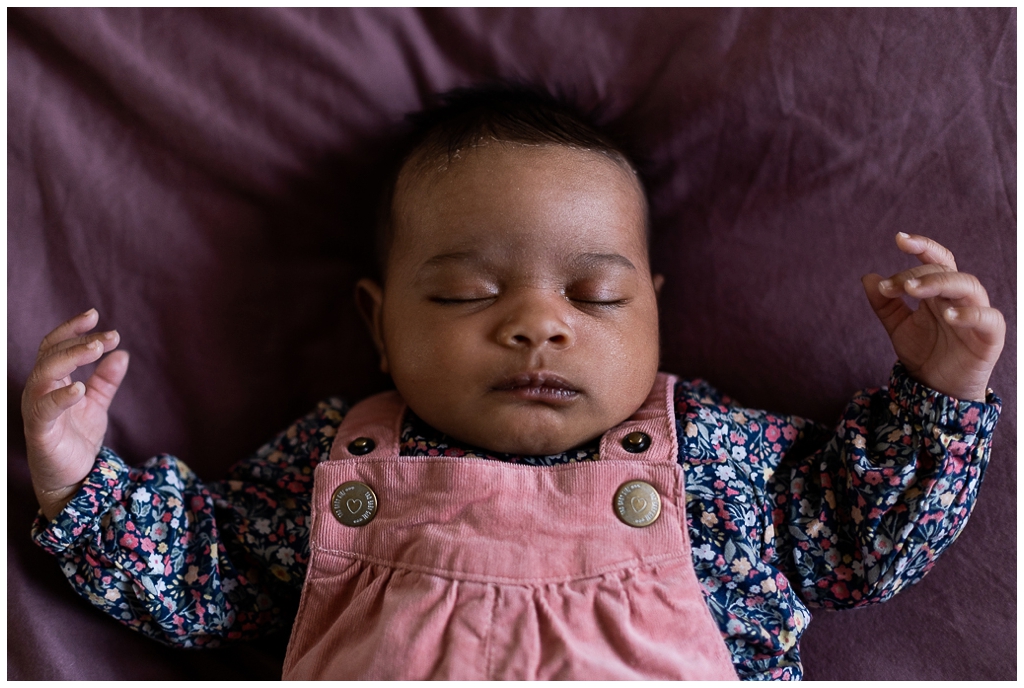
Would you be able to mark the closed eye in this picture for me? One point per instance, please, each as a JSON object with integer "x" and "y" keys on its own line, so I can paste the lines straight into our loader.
{"x": 602, "y": 304}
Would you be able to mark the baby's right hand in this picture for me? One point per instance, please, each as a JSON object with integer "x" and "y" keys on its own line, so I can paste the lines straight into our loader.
{"x": 65, "y": 421}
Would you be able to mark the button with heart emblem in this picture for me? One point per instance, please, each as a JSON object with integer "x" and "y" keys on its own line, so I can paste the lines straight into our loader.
{"x": 354, "y": 504}
{"x": 637, "y": 503}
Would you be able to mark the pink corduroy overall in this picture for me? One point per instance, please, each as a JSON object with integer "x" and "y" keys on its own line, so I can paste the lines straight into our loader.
{"x": 478, "y": 569}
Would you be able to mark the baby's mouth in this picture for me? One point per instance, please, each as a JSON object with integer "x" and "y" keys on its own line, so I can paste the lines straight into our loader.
{"x": 539, "y": 386}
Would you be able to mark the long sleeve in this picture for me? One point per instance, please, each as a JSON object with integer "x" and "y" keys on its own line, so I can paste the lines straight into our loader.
{"x": 785, "y": 513}
{"x": 188, "y": 563}
{"x": 782, "y": 513}
{"x": 868, "y": 513}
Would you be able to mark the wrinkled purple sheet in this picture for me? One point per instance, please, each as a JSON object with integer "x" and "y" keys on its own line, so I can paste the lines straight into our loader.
{"x": 201, "y": 177}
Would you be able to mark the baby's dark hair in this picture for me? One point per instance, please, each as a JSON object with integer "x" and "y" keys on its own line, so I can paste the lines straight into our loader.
{"x": 515, "y": 113}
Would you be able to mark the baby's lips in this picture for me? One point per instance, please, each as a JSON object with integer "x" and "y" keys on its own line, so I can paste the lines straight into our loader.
{"x": 537, "y": 379}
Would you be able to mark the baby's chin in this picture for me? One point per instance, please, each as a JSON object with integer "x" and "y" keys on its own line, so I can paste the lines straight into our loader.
{"x": 526, "y": 439}
{"x": 509, "y": 424}
{"x": 533, "y": 447}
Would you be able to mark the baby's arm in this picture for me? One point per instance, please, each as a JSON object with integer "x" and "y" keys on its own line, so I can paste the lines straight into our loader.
{"x": 188, "y": 563}
{"x": 181, "y": 561}
{"x": 868, "y": 513}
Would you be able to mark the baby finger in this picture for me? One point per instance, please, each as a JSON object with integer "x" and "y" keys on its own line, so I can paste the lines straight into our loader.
{"x": 49, "y": 407}
{"x": 959, "y": 287}
{"x": 109, "y": 340}
{"x": 80, "y": 324}
{"x": 927, "y": 250}
{"x": 894, "y": 286}
{"x": 987, "y": 323}
{"x": 60, "y": 364}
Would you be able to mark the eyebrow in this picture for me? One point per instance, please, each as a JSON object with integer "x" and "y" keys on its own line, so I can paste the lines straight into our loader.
{"x": 587, "y": 260}
{"x": 453, "y": 257}
{"x": 442, "y": 260}
{"x": 581, "y": 260}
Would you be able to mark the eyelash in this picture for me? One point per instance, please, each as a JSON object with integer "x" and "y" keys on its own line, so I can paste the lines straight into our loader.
{"x": 618, "y": 303}
{"x": 583, "y": 303}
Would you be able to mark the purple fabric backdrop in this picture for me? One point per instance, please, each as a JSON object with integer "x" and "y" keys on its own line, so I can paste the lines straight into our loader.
{"x": 201, "y": 178}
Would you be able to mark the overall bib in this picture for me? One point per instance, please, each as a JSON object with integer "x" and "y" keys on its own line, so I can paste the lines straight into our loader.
{"x": 468, "y": 568}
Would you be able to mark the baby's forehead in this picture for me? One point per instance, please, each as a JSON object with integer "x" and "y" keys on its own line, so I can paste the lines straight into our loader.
{"x": 430, "y": 171}
{"x": 457, "y": 181}
{"x": 551, "y": 195}
{"x": 432, "y": 160}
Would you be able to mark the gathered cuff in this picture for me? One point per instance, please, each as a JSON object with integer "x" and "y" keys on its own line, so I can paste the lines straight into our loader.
{"x": 954, "y": 416}
{"x": 81, "y": 517}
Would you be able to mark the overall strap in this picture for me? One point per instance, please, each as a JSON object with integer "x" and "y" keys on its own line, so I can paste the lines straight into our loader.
{"x": 371, "y": 429}
{"x": 649, "y": 434}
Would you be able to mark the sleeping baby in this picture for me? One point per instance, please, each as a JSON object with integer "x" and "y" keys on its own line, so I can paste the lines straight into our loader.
{"x": 534, "y": 499}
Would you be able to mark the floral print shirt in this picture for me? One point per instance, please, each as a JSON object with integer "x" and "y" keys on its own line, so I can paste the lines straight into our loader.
{"x": 783, "y": 515}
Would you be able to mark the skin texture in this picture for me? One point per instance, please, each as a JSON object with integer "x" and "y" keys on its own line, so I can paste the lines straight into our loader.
{"x": 519, "y": 312}
{"x": 516, "y": 272}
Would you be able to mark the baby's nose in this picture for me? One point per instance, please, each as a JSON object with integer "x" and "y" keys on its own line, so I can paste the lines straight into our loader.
{"x": 537, "y": 321}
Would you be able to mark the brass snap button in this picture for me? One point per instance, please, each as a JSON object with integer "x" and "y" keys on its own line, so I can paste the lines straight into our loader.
{"x": 354, "y": 504}
{"x": 636, "y": 442}
{"x": 637, "y": 503}
{"x": 361, "y": 445}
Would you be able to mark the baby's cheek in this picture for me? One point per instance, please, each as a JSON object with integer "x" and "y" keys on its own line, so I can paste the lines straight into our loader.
{"x": 630, "y": 365}
{"x": 630, "y": 348}
{"x": 432, "y": 360}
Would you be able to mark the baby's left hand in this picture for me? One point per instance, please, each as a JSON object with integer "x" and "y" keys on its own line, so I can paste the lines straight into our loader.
{"x": 954, "y": 338}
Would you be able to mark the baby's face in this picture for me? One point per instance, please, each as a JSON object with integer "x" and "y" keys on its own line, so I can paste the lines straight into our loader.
{"x": 519, "y": 312}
